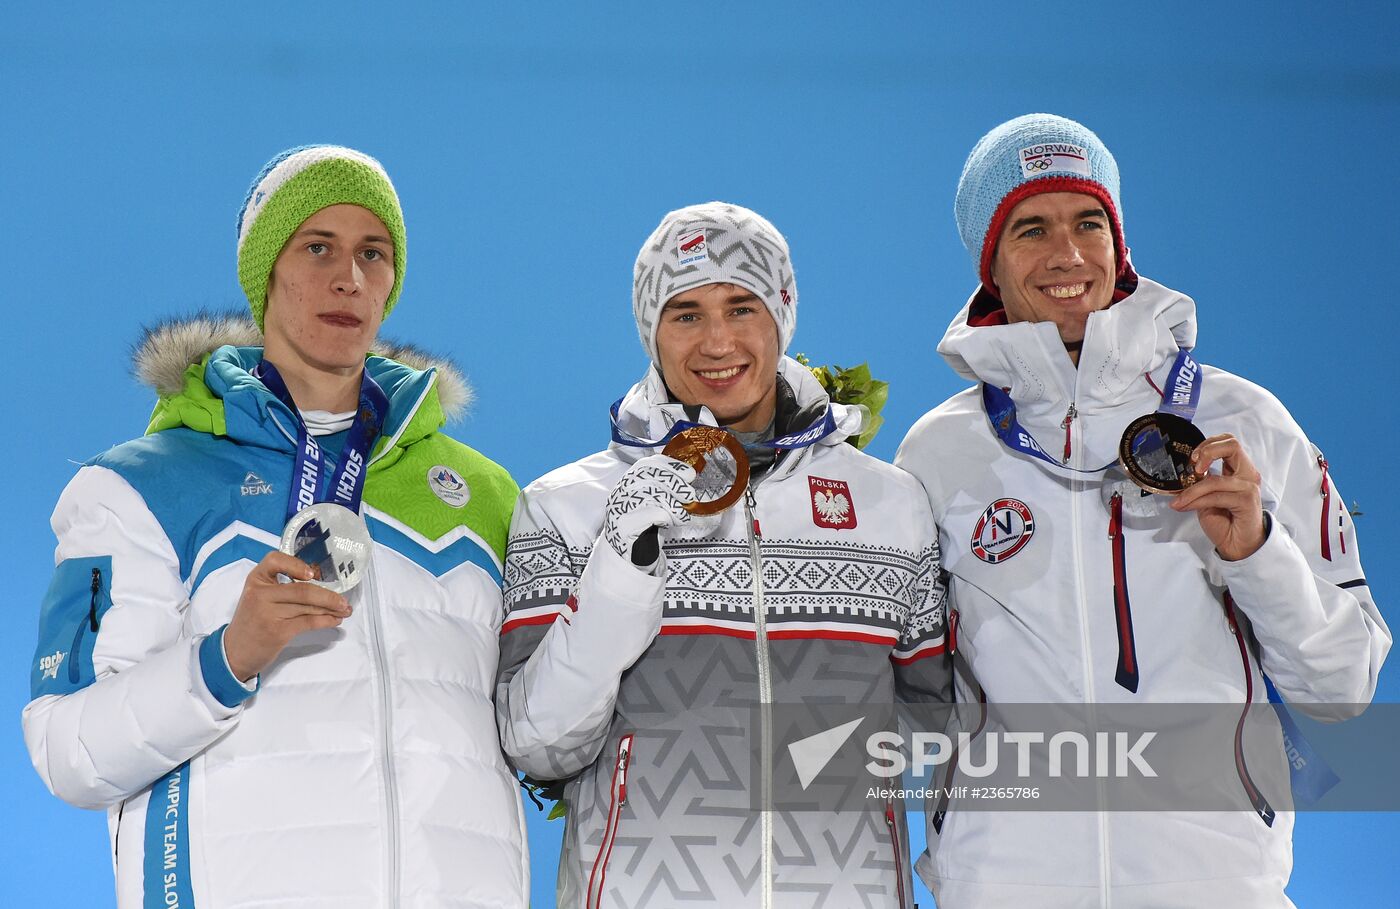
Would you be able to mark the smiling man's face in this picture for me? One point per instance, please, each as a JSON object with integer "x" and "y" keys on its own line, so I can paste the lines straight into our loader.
{"x": 325, "y": 299}
{"x": 1055, "y": 262}
{"x": 718, "y": 346}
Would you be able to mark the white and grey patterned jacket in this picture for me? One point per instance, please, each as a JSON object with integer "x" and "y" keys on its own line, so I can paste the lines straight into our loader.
{"x": 651, "y": 714}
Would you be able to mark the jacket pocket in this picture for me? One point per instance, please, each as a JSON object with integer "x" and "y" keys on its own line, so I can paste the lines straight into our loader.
{"x": 617, "y": 797}
{"x": 940, "y": 812}
{"x": 1256, "y": 797}
{"x": 1325, "y": 529}
{"x": 78, "y": 598}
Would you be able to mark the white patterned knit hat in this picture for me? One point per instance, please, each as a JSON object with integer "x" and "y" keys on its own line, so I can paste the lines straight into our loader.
{"x": 713, "y": 243}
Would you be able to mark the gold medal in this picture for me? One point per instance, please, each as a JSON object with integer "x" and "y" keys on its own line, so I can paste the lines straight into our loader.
{"x": 720, "y": 464}
{"x": 1156, "y": 452}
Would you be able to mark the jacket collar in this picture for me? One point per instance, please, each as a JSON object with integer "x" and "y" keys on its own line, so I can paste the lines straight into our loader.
{"x": 253, "y": 415}
{"x": 1133, "y": 339}
{"x": 201, "y": 369}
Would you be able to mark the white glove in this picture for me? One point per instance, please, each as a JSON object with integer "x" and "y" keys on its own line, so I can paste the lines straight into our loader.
{"x": 652, "y": 494}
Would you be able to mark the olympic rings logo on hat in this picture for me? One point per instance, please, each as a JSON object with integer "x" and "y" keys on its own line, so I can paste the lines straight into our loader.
{"x": 1042, "y": 164}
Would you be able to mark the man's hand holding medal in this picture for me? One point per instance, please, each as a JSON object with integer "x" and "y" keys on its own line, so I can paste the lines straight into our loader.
{"x": 1164, "y": 453}
{"x": 270, "y": 613}
{"x": 1227, "y": 503}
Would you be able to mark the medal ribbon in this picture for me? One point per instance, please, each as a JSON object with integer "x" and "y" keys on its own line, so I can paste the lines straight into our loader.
{"x": 1310, "y": 775}
{"x": 1182, "y": 396}
{"x": 348, "y": 484}
{"x": 820, "y": 429}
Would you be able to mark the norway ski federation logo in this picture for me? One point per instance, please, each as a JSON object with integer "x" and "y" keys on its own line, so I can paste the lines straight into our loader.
{"x": 254, "y": 485}
{"x": 447, "y": 485}
{"x": 832, "y": 505}
{"x": 691, "y": 247}
{"x": 1003, "y": 530}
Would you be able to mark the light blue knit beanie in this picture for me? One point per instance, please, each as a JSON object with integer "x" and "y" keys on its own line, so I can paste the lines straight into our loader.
{"x": 1033, "y": 154}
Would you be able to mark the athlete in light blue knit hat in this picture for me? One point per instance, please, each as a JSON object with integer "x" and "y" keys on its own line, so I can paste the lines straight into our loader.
{"x": 1032, "y": 154}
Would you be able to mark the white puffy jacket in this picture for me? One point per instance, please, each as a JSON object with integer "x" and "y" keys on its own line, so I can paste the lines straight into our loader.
{"x": 365, "y": 769}
{"x": 1039, "y": 620}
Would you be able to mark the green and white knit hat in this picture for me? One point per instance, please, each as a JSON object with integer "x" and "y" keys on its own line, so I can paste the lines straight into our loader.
{"x": 295, "y": 185}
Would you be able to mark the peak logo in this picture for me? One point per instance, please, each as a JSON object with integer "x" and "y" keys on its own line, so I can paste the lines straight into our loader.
{"x": 254, "y": 485}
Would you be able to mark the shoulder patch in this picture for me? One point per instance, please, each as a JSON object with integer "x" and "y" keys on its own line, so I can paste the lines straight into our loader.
{"x": 448, "y": 485}
{"x": 1003, "y": 530}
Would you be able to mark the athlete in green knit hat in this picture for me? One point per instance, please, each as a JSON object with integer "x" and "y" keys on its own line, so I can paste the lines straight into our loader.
{"x": 269, "y": 643}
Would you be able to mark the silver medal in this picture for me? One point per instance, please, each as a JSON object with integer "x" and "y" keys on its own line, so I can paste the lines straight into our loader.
{"x": 333, "y": 540}
{"x": 1137, "y": 502}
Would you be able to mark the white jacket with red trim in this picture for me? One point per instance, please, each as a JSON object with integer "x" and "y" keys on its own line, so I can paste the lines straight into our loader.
{"x": 1042, "y": 611}
{"x": 643, "y": 691}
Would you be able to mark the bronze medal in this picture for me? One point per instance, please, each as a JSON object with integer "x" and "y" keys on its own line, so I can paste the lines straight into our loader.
{"x": 720, "y": 464}
{"x": 1156, "y": 452}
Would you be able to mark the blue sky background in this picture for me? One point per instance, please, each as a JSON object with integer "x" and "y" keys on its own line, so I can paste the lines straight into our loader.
{"x": 536, "y": 146}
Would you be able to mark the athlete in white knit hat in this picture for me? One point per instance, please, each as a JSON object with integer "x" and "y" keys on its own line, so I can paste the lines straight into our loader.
{"x": 644, "y": 644}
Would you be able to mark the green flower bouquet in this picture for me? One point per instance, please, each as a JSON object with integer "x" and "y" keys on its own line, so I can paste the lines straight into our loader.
{"x": 854, "y": 386}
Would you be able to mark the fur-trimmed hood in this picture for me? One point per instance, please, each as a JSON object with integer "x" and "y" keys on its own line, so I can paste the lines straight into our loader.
{"x": 168, "y": 348}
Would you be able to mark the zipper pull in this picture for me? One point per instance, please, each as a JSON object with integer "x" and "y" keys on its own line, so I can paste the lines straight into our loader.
{"x": 1230, "y": 614}
{"x": 624, "y": 751}
{"x": 1069, "y": 419}
{"x": 751, "y": 504}
{"x": 953, "y": 619}
{"x": 92, "y": 601}
{"x": 1325, "y": 490}
{"x": 1115, "y": 516}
